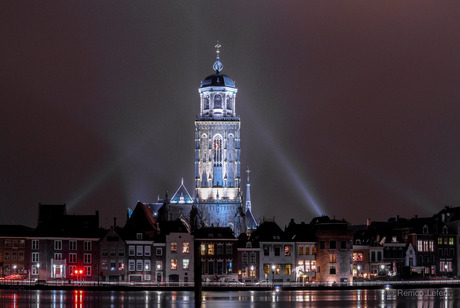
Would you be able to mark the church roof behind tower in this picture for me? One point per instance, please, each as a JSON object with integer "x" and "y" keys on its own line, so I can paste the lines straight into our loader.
{"x": 181, "y": 195}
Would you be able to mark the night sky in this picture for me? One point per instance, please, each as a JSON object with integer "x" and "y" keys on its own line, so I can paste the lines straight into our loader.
{"x": 348, "y": 108}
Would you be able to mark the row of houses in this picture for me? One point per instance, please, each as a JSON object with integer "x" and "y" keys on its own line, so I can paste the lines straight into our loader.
{"x": 146, "y": 249}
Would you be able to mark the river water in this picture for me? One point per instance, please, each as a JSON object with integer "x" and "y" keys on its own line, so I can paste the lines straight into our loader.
{"x": 419, "y": 298}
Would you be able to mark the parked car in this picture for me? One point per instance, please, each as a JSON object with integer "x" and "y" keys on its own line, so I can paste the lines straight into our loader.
{"x": 263, "y": 283}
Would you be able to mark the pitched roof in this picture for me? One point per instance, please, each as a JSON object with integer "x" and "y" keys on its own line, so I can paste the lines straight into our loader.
{"x": 54, "y": 221}
{"x": 300, "y": 232}
{"x": 181, "y": 195}
{"x": 269, "y": 231}
{"x": 15, "y": 231}
{"x": 141, "y": 221}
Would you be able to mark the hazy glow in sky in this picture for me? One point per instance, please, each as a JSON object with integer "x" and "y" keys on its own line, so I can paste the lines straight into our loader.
{"x": 359, "y": 101}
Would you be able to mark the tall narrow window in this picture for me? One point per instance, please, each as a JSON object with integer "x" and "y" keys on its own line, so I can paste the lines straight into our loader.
{"x": 218, "y": 150}
{"x": 218, "y": 101}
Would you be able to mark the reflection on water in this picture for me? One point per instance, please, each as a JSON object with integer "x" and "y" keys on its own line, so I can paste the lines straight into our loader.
{"x": 419, "y": 298}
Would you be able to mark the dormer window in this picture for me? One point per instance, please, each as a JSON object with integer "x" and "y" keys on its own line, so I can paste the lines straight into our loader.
{"x": 138, "y": 236}
{"x": 394, "y": 239}
{"x": 425, "y": 229}
{"x": 444, "y": 230}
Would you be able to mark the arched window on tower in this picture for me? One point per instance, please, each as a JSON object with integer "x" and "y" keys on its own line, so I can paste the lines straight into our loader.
{"x": 206, "y": 103}
{"x": 229, "y": 103}
{"x": 217, "y": 148}
{"x": 218, "y": 101}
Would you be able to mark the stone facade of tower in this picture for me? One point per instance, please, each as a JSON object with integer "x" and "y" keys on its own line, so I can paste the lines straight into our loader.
{"x": 217, "y": 154}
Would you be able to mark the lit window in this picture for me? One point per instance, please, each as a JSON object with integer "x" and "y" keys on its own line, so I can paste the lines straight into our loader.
{"x": 147, "y": 265}
{"x": 277, "y": 270}
{"x": 229, "y": 267}
{"x": 287, "y": 250}
{"x": 300, "y": 250}
{"x": 266, "y": 269}
{"x": 173, "y": 247}
{"x": 287, "y": 269}
{"x": 332, "y": 258}
{"x": 173, "y": 264}
{"x": 419, "y": 245}
{"x": 185, "y": 264}
{"x": 357, "y": 256}
{"x": 210, "y": 249}
{"x": 121, "y": 266}
{"x": 203, "y": 249}
{"x": 307, "y": 250}
{"x": 186, "y": 248}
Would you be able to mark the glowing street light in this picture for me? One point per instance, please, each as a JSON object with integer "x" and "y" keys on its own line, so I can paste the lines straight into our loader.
{"x": 273, "y": 271}
{"x": 252, "y": 273}
{"x": 38, "y": 270}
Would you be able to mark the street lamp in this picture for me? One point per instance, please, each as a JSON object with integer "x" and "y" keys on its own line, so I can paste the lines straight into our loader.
{"x": 273, "y": 271}
{"x": 38, "y": 270}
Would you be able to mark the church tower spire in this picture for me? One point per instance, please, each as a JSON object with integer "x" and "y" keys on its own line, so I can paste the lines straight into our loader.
{"x": 248, "y": 192}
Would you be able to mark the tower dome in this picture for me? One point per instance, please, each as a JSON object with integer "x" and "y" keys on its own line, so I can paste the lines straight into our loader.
{"x": 217, "y": 80}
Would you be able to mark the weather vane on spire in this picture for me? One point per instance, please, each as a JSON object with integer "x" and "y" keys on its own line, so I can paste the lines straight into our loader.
{"x": 218, "y": 66}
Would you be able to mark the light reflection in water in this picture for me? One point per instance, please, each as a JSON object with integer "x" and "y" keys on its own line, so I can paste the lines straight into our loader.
{"x": 420, "y": 298}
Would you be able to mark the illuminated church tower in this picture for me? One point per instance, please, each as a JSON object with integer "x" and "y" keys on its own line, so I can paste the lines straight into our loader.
{"x": 217, "y": 153}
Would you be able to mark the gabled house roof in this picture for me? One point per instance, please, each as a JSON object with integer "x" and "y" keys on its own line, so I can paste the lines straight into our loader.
{"x": 141, "y": 221}
{"x": 269, "y": 231}
{"x": 300, "y": 232}
{"x": 54, "y": 222}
